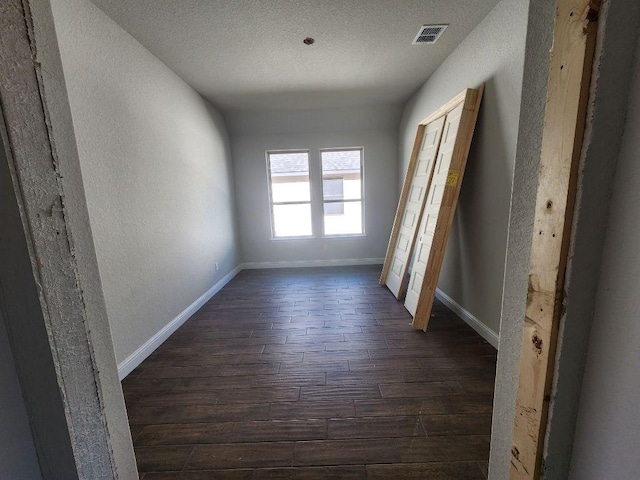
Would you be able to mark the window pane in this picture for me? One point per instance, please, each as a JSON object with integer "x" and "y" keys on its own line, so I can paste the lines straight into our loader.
{"x": 345, "y": 223}
{"x": 333, "y": 188}
{"x": 290, "y": 191}
{"x": 334, "y": 208}
{"x": 344, "y": 165}
{"x": 289, "y": 177}
{"x": 292, "y": 220}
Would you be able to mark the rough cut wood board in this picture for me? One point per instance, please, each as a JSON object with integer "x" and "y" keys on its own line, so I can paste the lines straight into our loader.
{"x": 565, "y": 116}
{"x": 443, "y": 198}
{"x": 396, "y": 264}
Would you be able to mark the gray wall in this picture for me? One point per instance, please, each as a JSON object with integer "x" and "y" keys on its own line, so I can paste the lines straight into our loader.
{"x": 473, "y": 268}
{"x": 374, "y": 128}
{"x": 156, "y": 169}
{"x": 608, "y": 427}
{"x": 17, "y": 452}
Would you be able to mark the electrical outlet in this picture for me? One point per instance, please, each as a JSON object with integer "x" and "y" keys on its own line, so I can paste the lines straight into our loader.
{"x": 217, "y": 266}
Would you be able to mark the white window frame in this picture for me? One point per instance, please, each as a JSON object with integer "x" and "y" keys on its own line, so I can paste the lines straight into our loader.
{"x": 268, "y": 154}
{"x": 361, "y": 199}
{"x": 316, "y": 193}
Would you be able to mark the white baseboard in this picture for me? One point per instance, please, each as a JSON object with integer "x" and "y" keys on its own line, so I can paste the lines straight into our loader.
{"x": 484, "y": 331}
{"x": 137, "y": 357}
{"x": 313, "y": 263}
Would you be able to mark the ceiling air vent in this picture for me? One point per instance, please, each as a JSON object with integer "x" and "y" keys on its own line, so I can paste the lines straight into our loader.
{"x": 429, "y": 34}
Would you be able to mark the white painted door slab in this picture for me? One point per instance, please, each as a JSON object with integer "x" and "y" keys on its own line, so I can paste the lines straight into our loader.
{"x": 432, "y": 208}
{"x": 410, "y": 218}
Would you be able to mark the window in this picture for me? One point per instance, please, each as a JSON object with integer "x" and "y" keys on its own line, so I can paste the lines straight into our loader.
{"x": 342, "y": 191}
{"x": 333, "y": 189}
{"x": 337, "y": 193}
{"x": 290, "y": 193}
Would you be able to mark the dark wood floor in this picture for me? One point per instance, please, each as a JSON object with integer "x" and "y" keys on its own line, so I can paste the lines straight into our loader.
{"x": 313, "y": 373}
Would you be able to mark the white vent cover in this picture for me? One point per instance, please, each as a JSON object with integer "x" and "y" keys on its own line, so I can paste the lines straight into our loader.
{"x": 429, "y": 34}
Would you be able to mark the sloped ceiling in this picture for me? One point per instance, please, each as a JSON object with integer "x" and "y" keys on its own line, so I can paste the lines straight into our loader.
{"x": 249, "y": 54}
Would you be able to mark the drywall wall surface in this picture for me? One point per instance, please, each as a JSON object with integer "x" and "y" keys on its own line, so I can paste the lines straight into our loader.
{"x": 617, "y": 25}
{"x": 42, "y": 299}
{"x": 608, "y": 426}
{"x": 522, "y": 206}
{"x": 26, "y": 333}
{"x": 62, "y": 133}
{"x": 18, "y": 457}
{"x": 473, "y": 268}
{"x": 613, "y": 66}
{"x": 326, "y": 120}
{"x": 156, "y": 168}
{"x": 380, "y": 185}
{"x": 52, "y": 306}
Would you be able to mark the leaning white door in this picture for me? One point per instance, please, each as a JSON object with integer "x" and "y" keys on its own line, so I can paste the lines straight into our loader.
{"x": 410, "y": 218}
{"x": 432, "y": 208}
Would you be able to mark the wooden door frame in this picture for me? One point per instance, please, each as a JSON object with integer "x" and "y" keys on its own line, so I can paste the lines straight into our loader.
{"x": 594, "y": 164}
{"x": 568, "y": 85}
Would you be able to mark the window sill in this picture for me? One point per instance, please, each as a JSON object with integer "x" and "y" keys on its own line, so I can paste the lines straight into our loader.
{"x": 284, "y": 239}
{"x": 323, "y": 237}
{"x": 346, "y": 235}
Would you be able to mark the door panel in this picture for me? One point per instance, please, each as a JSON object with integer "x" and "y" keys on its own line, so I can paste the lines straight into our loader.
{"x": 419, "y": 185}
{"x": 432, "y": 208}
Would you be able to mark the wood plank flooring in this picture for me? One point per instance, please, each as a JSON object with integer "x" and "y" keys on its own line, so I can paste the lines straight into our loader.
{"x": 313, "y": 373}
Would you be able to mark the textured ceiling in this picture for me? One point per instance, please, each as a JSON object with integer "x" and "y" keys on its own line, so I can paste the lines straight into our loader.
{"x": 249, "y": 54}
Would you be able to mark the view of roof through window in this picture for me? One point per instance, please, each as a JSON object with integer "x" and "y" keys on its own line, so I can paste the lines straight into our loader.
{"x": 284, "y": 164}
{"x": 344, "y": 161}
